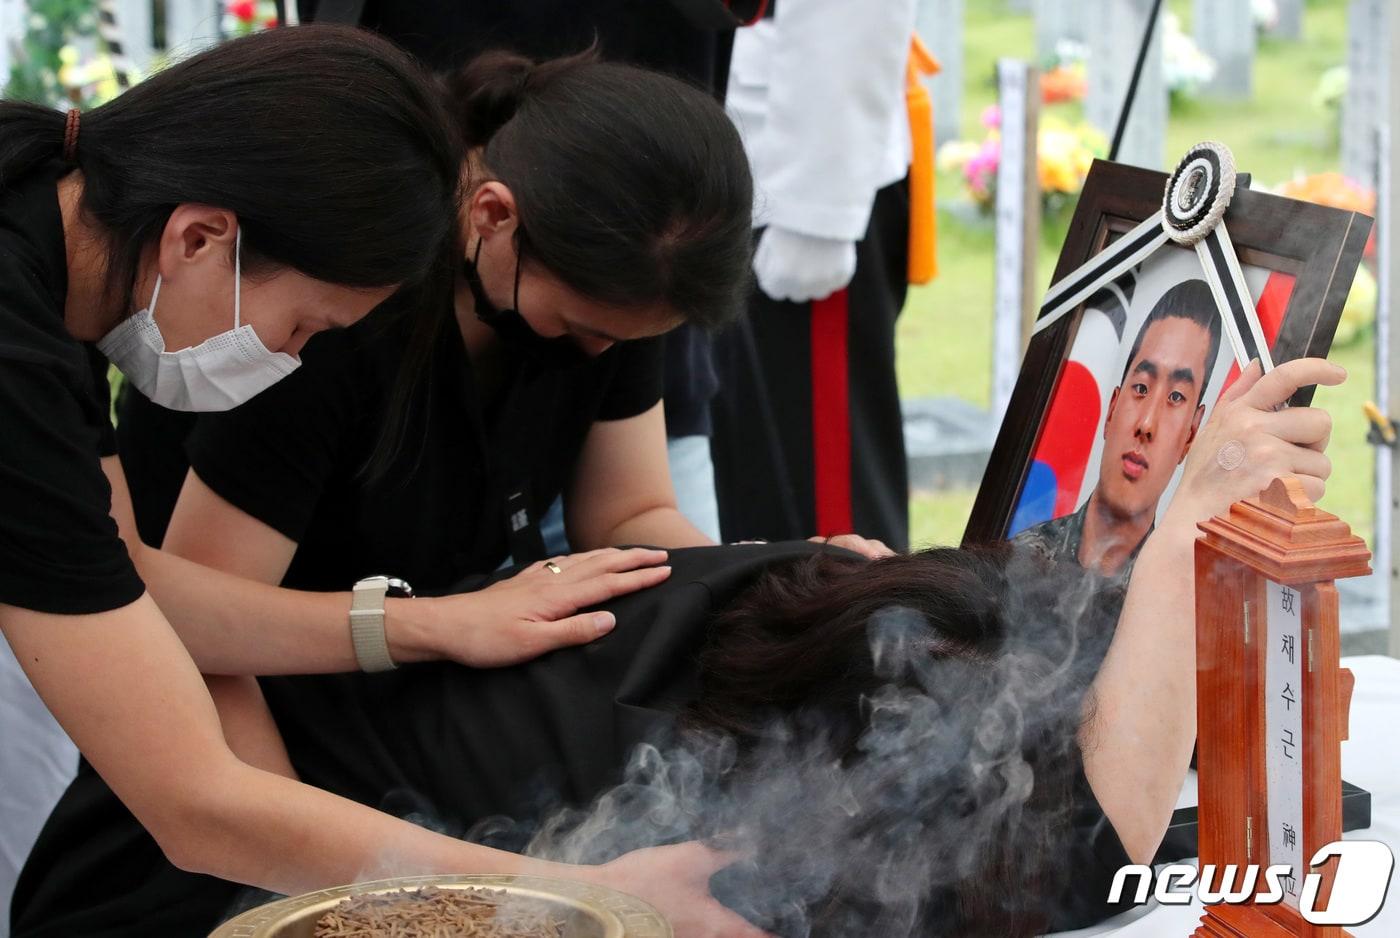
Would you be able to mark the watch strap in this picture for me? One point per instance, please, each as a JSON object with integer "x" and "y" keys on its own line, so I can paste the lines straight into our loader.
{"x": 367, "y": 624}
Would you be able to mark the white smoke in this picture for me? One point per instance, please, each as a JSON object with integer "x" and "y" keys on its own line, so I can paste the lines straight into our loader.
{"x": 868, "y": 829}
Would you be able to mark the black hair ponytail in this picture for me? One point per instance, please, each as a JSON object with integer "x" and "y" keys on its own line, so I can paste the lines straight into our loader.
{"x": 30, "y": 136}
{"x": 329, "y": 144}
{"x": 633, "y": 187}
{"x": 487, "y": 92}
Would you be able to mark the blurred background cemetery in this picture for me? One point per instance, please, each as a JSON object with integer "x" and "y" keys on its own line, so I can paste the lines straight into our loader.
{"x": 1296, "y": 88}
{"x": 1284, "y": 122}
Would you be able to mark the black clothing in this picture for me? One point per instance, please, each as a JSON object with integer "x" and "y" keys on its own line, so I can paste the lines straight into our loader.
{"x": 650, "y": 33}
{"x": 151, "y": 441}
{"x": 470, "y": 744}
{"x": 293, "y": 457}
{"x": 59, "y": 547}
{"x": 774, "y": 397}
{"x": 449, "y": 744}
{"x": 691, "y": 382}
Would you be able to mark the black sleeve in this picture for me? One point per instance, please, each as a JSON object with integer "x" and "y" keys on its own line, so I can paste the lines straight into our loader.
{"x": 272, "y": 456}
{"x": 1094, "y": 855}
{"x": 59, "y": 547}
{"x": 636, "y": 382}
{"x": 151, "y": 440}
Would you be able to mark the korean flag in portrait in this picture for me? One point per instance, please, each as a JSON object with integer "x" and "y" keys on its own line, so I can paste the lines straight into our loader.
{"x": 1156, "y": 318}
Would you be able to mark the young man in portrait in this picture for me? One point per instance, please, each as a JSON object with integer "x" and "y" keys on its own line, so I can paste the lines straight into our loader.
{"x": 1152, "y": 419}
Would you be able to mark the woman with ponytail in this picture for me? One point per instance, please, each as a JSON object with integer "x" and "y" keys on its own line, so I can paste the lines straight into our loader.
{"x": 195, "y": 232}
{"x": 605, "y": 204}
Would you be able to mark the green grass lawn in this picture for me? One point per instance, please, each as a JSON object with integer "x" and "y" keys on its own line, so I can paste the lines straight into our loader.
{"x": 945, "y": 335}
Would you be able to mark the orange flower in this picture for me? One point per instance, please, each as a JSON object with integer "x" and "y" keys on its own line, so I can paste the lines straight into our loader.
{"x": 1063, "y": 83}
{"x": 1338, "y": 191}
{"x": 1332, "y": 189}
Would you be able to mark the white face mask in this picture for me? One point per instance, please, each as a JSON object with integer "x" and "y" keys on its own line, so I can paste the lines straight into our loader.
{"x": 219, "y": 373}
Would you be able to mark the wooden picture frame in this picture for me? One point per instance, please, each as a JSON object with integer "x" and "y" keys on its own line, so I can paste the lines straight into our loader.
{"x": 1320, "y": 247}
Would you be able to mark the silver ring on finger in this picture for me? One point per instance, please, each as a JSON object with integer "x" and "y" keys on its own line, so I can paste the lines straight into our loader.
{"x": 553, "y": 567}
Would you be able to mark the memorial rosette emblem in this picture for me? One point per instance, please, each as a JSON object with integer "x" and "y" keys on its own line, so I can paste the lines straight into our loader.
{"x": 1198, "y": 193}
{"x": 1193, "y": 216}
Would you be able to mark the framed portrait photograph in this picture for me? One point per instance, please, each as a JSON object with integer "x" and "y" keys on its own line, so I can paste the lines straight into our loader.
{"x": 1113, "y": 389}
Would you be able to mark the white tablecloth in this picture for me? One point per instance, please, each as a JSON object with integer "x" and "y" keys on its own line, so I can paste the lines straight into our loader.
{"x": 1370, "y": 758}
{"x": 37, "y": 761}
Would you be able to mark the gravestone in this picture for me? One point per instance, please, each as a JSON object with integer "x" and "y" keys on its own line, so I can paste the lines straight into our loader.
{"x": 134, "y": 20}
{"x": 1056, "y": 21}
{"x": 1017, "y": 225}
{"x": 940, "y": 25}
{"x": 12, "y": 29}
{"x": 1385, "y": 502}
{"x": 1113, "y": 49}
{"x": 1224, "y": 30}
{"x": 1366, "y": 99}
{"x": 191, "y": 25}
{"x": 948, "y": 441}
{"x": 1290, "y": 20}
{"x": 1388, "y": 339}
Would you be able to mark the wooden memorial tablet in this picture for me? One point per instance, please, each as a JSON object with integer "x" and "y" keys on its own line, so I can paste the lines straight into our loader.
{"x": 1272, "y": 700}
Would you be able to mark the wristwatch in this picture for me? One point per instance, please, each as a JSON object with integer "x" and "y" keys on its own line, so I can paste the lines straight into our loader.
{"x": 367, "y": 620}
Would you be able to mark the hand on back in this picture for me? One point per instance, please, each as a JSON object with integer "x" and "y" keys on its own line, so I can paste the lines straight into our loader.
{"x": 537, "y": 610}
{"x": 865, "y": 546}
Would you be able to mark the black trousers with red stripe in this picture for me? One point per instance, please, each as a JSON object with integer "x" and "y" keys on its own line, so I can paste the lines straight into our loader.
{"x": 808, "y": 434}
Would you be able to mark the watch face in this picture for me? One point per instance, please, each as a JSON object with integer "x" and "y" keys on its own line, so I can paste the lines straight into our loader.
{"x": 392, "y": 584}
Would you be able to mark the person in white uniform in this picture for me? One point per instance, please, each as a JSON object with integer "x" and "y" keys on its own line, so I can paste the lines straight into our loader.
{"x": 809, "y": 409}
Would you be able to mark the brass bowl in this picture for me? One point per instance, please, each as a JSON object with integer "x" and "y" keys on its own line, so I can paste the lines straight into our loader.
{"x": 587, "y": 911}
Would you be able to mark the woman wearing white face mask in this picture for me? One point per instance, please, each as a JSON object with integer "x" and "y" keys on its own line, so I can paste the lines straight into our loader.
{"x": 162, "y": 201}
{"x": 219, "y": 373}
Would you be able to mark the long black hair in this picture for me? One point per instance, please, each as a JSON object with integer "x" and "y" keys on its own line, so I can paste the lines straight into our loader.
{"x": 949, "y": 686}
{"x": 330, "y": 145}
{"x": 633, "y": 187}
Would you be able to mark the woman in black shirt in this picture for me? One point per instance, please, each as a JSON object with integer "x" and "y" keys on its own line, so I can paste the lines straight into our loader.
{"x": 780, "y": 648}
{"x": 606, "y": 204}
{"x": 332, "y": 200}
